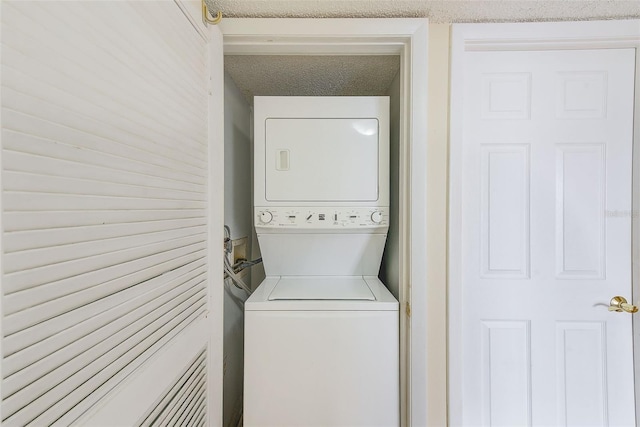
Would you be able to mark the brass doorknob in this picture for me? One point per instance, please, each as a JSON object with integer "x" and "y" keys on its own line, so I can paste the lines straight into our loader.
{"x": 619, "y": 303}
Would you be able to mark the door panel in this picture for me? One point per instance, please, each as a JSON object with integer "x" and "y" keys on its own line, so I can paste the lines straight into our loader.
{"x": 104, "y": 235}
{"x": 547, "y": 178}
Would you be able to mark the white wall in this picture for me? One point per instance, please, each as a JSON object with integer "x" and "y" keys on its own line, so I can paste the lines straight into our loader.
{"x": 237, "y": 158}
{"x": 237, "y": 215}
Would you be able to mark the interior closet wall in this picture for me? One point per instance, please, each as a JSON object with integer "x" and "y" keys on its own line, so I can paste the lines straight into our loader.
{"x": 238, "y": 204}
{"x": 390, "y": 268}
{"x": 104, "y": 213}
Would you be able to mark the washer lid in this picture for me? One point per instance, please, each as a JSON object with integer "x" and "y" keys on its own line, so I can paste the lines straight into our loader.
{"x": 321, "y": 288}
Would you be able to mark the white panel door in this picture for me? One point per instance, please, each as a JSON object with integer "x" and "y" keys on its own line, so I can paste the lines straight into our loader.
{"x": 547, "y": 238}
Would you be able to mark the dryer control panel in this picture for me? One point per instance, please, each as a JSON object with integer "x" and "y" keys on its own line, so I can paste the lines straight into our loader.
{"x": 322, "y": 218}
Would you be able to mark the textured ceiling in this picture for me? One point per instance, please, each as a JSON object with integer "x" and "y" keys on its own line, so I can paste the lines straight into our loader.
{"x": 372, "y": 75}
{"x": 437, "y": 11}
{"x": 312, "y": 75}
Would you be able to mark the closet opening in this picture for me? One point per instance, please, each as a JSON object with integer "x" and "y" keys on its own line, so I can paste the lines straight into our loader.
{"x": 340, "y": 40}
{"x": 247, "y": 76}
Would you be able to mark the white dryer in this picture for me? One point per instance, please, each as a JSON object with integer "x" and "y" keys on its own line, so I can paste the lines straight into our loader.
{"x": 321, "y": 331}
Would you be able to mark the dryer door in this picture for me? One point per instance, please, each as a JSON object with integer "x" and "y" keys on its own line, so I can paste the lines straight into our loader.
{"x": 321, "y": 159}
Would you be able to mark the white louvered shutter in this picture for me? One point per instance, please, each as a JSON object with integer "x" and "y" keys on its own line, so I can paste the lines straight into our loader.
{"x": 185, "y": 402}
{"x": 104, "y": 204}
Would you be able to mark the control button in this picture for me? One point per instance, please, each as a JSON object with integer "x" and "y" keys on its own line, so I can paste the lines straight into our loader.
{"x": 266, "y": 217}
{"x": 321, "y": 217}
{"x": 376, "y": 217}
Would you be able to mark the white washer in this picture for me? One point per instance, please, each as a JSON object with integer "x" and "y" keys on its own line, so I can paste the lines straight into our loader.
{"x": 321, "y": 352}
{"x": 321, "y": 331}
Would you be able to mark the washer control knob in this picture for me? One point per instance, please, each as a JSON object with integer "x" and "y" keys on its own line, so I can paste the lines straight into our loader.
{"x": 266, "y": 217}
{"x": 376, "y": 217}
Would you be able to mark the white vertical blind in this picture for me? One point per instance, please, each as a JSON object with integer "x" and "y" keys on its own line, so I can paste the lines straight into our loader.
{"x": 104, "y": 176}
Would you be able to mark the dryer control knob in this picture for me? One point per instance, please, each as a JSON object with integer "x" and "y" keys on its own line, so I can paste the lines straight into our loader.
{"x": 266, "y": 217}
{"x": 376, "y": 217}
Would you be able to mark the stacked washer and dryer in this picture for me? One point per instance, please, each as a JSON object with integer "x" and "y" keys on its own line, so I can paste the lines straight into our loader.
{"x": 321, "y": 331}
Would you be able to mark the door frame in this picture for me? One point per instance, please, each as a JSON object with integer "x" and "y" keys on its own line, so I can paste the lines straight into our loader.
{"x": 524, "y": 37}
{"x": 407, "y": 38}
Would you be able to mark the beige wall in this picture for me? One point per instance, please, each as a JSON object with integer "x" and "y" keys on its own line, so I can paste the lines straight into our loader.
{"x": 437, "y": 189}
